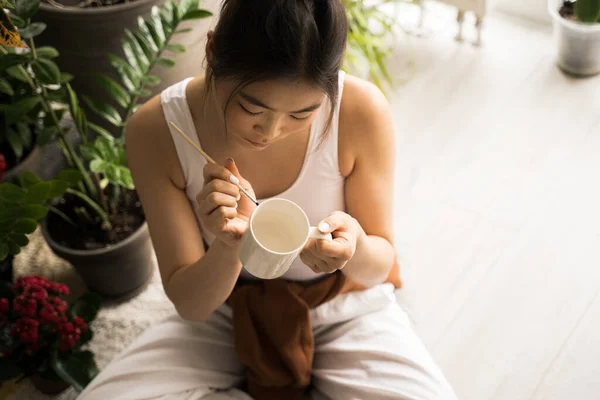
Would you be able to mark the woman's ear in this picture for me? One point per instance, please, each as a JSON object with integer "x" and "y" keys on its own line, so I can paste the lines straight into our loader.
{"x": 210, "y": 49}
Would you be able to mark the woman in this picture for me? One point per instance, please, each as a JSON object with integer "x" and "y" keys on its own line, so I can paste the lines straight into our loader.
{"x": 279, "y": 117}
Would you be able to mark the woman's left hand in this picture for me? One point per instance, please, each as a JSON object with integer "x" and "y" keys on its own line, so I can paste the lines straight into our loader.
{"x": 329, "y": 256}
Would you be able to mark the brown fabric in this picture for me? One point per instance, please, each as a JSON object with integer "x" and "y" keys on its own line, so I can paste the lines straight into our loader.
{"x": 273, "y": 335}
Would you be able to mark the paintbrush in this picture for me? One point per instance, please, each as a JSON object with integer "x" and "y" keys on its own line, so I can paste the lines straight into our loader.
{"x": 209, "y": 159}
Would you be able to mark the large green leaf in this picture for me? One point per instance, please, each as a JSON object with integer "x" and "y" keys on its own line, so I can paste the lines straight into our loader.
{"x": 71, "y": 176}
{"x": 16, "y": 111}
{"x": 57, "y": 188}
{"x": 587, "y": 10}
{"x": 153, "y": 32}
{"x": 196, "y": 14}
{"x": 10, "y": 60}
{"x": 140, "y": 55}
{"x": 152, "y": 80}
{"x": 19, "y": 239}
{"x": 18, "y": 73}
{"x": 27, "y": 8}
{"x": 104, "y": 110}
{"x": 147, "y": 46}
{"x": 176, "y": 48}
{"x": 11, "y": 192}
{"x": 47, "y": 52}
{"x": 34, "y": 211}
{"x": 158, "y": 26}
{"x": 128, "y": 75}
{"x": 101, "y": 131}
{"x": 37, "y": 194}
{"x": 25, "y": 226}
{"x": 28, "y": 179}
{"x": 143, "y": 30}
{"x": 76, "y": 112}
{"x": 114, "y": 89}
{"x": 87, "y": 306}
{"x": 131, "y": 58}
{"x": 32, "y": 30}
{"x": 166, "y": 62}
{"x": 76, "y": 368}
{"x": 5, "y": 87}
{"x": 46, "y": 71}
{"x": 15, "y": 141}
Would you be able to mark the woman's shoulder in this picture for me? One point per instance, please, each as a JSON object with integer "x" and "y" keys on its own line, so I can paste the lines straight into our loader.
{"x": 364, "y": 120}
{"x": 149, "y": 144}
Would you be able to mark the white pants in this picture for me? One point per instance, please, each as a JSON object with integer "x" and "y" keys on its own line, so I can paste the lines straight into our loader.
{"x": 365, "y": 348}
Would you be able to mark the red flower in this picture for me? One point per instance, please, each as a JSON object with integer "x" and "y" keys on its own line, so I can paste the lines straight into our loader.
{"x": 4, "y": 307}
{"x": 27, "y": 330}
{"x": 80, "y": 323}
{"x": 3, "y": 165}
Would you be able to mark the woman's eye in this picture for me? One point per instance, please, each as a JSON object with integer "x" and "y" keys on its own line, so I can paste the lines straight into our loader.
{"x": 300, "y": 118}
{"x": 248, "y": 111}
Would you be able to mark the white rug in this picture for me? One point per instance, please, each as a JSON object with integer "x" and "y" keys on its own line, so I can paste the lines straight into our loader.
{"x": 116, "y": 325}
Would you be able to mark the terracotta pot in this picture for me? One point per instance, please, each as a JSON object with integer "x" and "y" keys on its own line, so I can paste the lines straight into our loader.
{"x": 93, "y": 33}
{"x": 117, "y": 271}
{"x": 47, "y": 386}
{"x": 33, "y": 163}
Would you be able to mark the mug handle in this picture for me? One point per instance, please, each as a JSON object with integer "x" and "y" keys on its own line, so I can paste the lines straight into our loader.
{"x": 315, "y": 233}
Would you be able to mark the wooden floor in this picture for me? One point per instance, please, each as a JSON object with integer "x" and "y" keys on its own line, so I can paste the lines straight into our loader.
{"x": 498, "y": 221}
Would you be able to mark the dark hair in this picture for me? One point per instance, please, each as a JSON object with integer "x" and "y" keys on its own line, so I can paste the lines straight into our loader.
{"x": 256, "y": 40}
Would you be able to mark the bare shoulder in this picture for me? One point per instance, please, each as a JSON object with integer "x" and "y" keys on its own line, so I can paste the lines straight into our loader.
{"x": 149, "y": 144}
{"x": 365, "y": 123}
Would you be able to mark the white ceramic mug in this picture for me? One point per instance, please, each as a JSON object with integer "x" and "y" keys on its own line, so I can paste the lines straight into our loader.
{"x": 277, "y": 233}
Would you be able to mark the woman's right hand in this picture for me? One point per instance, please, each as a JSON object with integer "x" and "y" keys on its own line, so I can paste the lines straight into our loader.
{"x": 223, "y": 209}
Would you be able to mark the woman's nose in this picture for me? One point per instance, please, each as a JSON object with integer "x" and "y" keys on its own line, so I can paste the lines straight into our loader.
{"x": 269, "y": 129}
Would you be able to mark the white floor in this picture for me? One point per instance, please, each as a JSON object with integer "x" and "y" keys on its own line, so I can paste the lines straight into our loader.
{"x": 499, "y": 213}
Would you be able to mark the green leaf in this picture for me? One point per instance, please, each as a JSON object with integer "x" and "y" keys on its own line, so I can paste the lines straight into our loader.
{"x": 143, "y": 93}
{"x": 65, "y": 77}
{"x": 47, "y": 135}
{"x": 101, "y": 131}
{"x": 130, "y": 56}
{"x": 157, "y": 23}
{"x": 143, "y": 29}
{"x": 15, "y": 142}
{"x": 71, "y": 176}
{"x": 87, "y": 307}
{"x": 32, "y": 30}
{"x": 25, "y": 226}
{"x": 145, "y": 45}
{"x": 166, "y": 62}
{"x": 18, "y": 73}
{"x": 76, "y": 368}
{"x": 183, "y": 30}
{"x": 152, "y": 80}
{"x": 57, "y": 188}
{"x": 13, "y": 248}
{"x": 10, "y": 60}
{"x": 20, "y": 240}
{"x": 196, "y": 14}
{"x": 19, "y": 109}
{"x": 27, "y": 8}
{"x": 37, "y": 194}
{"x": 98, "y": 165}
{"x": 127, "y": 178}
{"x": 34, "y": 211}
{"x": 3, "y": 255}
{"x": 11, "y": 192}
{"x": 140, "y": 55}
{"x": 128, "y": 75}
{"x": 25, "y": 133}
{"x": 46, "y": 71}
{"x": 155, "y": 37}
{"x": 28, "y": 179}
{"x": 76, "y": 112}
{"x": 104, "y": 110}
{"x": 17, "y": 21}
{"x": 176, "y": 48}
{"x": 587, "y": 10}
{"x": 47, "y": 52}
{"x": 5, "y": 87}
{"x": 114, "y": 89}
{"x": 87, "y": 151}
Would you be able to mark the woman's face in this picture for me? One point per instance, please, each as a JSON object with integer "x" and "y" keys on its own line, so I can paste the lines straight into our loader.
{"x": 263, "y": 113}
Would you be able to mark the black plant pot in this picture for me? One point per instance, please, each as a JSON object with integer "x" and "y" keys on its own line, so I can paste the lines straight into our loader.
{"x": 116, "y": 271}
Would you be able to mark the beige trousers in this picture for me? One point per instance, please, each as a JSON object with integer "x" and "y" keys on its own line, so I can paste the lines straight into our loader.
{"x": 365, "y": 348}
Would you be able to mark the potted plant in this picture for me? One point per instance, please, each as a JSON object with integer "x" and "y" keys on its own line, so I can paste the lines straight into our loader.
{"x": 98, "y": 225}
{"x": 577, "y": 33}
{"x": 371, "y": 26}
{"x": 95, "y": 29}
{"x": 43, "y": 335}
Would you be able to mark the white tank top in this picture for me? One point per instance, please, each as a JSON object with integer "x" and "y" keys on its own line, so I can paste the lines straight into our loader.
{"x": 318, "y": 189}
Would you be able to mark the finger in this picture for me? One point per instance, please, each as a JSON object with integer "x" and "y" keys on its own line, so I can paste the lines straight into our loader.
{"x": 336, "y": 221}
{"x": 220, "y": 186}
{"x": 219, "y": 217}
{"x": 339, "y": 248}
{"x": 215, "y": 200}
{"x": 310, "y": 261}
{"x": 213, "y": 171}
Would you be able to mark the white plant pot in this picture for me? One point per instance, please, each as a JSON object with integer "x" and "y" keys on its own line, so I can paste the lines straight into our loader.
{"x": 578, "y": 44}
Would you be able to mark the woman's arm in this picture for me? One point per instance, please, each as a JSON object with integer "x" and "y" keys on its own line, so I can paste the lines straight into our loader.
{"x": 197, "y": 282}
{"x": 362, "y": 247}
{"x": 367, "y": 134}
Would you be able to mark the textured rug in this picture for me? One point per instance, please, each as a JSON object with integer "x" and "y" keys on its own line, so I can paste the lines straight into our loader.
{"x": 117, "y": 324}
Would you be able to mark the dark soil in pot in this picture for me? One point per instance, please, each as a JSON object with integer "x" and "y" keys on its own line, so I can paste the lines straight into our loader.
{"x": 129, "y": 217}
